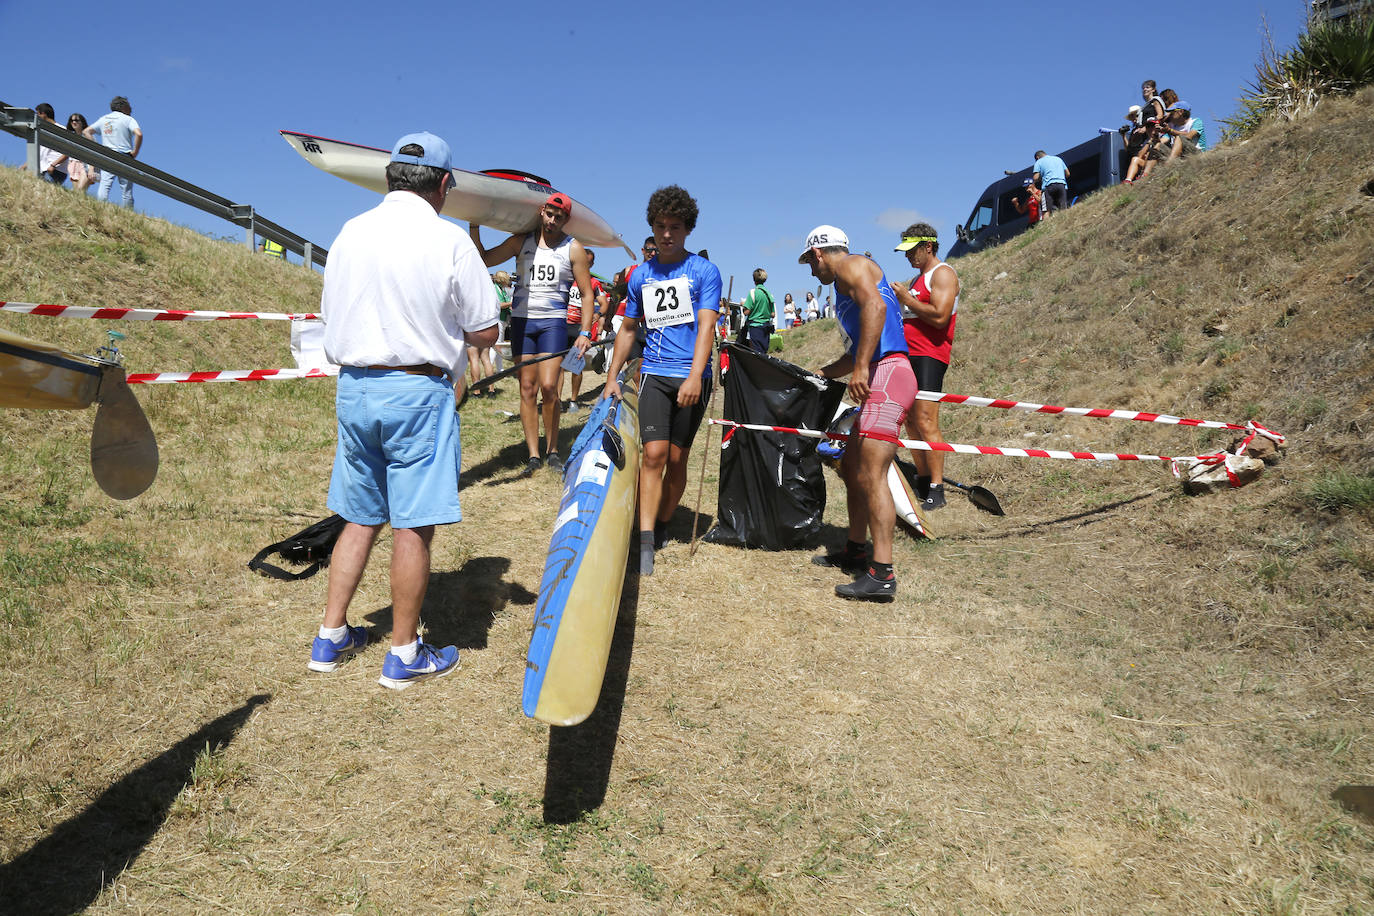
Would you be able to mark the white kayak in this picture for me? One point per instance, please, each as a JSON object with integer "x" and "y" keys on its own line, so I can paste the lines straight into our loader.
{"x": 503, "y": 199}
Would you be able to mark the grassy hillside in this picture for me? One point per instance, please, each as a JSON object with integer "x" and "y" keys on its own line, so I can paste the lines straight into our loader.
{"x": 1116, "y": 698}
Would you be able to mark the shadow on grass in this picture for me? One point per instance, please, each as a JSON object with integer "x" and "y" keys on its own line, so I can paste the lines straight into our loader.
{"x": 67, "y": 870}
{"x": 1086, "y": 517}
{"x": 580, "y": 756}
{"x": 461, "y": 605}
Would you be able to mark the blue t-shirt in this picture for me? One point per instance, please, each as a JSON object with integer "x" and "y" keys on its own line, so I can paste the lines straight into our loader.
{"x": 893, "y": 337}
{"x": 666, "y": 300}
{"x": 1051, "y": 170}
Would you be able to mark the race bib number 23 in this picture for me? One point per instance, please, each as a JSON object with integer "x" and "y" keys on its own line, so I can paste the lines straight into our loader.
{"x": 667, "y": 303}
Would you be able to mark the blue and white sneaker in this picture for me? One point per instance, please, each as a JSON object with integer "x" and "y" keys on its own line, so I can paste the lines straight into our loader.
{"x": 326, "y": 656}
{"x": 429, "y": 662}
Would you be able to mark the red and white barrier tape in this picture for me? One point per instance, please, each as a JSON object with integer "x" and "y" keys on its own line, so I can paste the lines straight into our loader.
{"x": 251, "y": 375}
{"x": 940, "y": 397}
{"x": 123, "y": 314}
{"x": 966, "y": 449}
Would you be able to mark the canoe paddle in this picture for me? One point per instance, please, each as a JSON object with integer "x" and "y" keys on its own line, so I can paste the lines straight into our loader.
{"x": 505, "y": 373}
{"x": 981, "y": 497}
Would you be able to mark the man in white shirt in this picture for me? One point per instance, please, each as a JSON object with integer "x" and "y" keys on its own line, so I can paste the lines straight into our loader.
{"x": 405, "y": 291}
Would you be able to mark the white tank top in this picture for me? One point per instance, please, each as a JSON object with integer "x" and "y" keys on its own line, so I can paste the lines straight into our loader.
{"x": 545, "y": 276}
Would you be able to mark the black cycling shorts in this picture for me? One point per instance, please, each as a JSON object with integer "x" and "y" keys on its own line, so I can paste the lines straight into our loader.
{"x": 659, "y": 416}
{"x": 930, "y": 372}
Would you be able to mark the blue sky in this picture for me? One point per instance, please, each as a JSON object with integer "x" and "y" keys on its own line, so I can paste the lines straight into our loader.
{"x": 775, "y": 117}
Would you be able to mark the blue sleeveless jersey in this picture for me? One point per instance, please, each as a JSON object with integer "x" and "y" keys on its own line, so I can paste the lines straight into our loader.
{"x": 892, "y": 339}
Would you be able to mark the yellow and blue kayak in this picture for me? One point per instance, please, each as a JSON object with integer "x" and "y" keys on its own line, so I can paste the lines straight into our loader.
{"x": 40, "y": 376}
{"x": 579, "y": 595}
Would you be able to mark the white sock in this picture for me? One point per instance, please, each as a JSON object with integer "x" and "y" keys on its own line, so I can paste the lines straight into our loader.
{"x": 407, "y": 653}
{"x": 334, "y": 634}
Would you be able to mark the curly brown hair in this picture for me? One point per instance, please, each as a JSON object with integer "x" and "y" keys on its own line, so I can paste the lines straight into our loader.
{"x": 673, "y": 201}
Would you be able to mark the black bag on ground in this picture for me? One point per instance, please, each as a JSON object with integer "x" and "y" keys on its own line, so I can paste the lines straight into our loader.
{"x": 314, "y": 545}
{"x": 772, "y": 489}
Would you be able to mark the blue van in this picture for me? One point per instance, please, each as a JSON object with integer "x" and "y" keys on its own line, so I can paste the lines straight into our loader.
{"x": 1097, "y": 163}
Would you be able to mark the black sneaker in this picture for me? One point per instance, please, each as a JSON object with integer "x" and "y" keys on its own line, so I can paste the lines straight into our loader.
{"x": 934, "y": 498}
{"x": 554, "y": 462}
{"x": 869, "y": 588}
{"x": 843, "y": 560}
{"x": 533, "y": 464}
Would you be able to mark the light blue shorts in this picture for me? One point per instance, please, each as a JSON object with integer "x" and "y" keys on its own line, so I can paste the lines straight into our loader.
{"x": 398, "y": 453}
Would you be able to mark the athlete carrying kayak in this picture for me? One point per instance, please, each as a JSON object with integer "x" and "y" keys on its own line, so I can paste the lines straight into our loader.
{"x": 677, "y": 296}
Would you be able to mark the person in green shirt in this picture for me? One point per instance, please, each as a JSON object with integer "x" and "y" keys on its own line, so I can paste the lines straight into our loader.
{"x": 759, "y": 309}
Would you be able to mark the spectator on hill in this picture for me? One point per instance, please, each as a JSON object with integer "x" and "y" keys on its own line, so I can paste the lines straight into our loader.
{"x": 759, "y": 312}
{"x": 1139, "y": 115}
{"x": 500, "y": 282}
{"x": 52, "y": 165}
{"x": 118, "y": 131}
{"x": 813, "y": 310}
{"x": 1028, "y": 201}
{"x": 81, "y": 174}
{"x": 1157, "y": 145}
{"x": 789, "y": 312}
{"x": 1189, "y": 133}
{"x": 404, "y": 292}
{"x": 1054, "y": 181}
{"x": 272, "y": 249}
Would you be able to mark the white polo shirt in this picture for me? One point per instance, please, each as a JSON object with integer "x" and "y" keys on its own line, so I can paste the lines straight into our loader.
{"x": 401, "y": 286}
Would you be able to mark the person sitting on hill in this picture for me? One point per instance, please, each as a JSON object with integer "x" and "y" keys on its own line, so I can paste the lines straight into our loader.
{"x": 1139, "y": 116}
{"x": 1189, "y": 133}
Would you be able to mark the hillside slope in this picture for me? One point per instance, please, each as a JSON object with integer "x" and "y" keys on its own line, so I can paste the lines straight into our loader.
{"x": 1117, "y": 698}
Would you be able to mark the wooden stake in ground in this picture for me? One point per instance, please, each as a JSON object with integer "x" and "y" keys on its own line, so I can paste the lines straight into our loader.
{"x": 705, "y": 450}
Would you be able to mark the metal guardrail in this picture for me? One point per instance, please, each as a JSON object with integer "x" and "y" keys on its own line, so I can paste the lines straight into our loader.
{"x": 27, "y": 125}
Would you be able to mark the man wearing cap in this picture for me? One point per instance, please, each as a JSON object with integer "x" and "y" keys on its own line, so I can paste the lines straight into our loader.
{"x": 547, "y": 264}
{"x": 1030, "y": 204}
{"x": 931, "y": 307}
{"x": 404, "y": 291}
{"x": 1054, "y": 181}
{"x": 1189, "y": 133}
{"x": 882, "y": 383}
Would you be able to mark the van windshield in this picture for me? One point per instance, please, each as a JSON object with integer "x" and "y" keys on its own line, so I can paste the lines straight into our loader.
{"x": 981, "y": 217}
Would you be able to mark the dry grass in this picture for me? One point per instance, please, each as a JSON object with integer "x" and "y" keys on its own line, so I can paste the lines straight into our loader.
{"x": 1116, "y": 698}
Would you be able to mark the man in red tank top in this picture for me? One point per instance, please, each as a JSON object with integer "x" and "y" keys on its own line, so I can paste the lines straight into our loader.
{"x": 930, "y": 309}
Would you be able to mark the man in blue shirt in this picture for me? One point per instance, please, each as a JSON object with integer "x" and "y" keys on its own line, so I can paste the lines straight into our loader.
{"x": 881, "y": 381}
{"x": 1054, "y": 181}
{"x": 676, "y": 294}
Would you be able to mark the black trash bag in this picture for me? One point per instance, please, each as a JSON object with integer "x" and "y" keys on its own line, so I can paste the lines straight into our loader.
{"x": 772, "y": 490}
{"x": 314, "y": 545}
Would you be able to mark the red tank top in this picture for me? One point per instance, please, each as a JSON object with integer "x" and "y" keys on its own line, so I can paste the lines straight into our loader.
{"x": 923, "y": 338}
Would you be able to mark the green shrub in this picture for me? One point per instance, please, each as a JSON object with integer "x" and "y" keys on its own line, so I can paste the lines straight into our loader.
{"x": 1341, "y": 490}
{"x": 1331, "y": 58}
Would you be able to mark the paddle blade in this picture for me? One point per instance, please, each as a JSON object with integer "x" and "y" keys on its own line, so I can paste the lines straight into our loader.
{"x": 982, "y": 498}
{"x": 1359, "y": 799}
{"x": 123, "y": 448}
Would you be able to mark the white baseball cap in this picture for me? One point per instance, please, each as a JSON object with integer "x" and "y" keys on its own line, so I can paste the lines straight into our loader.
{"x": 824, "y": 237}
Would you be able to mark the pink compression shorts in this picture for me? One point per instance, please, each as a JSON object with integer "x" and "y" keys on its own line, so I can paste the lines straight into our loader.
{"x": 892, "y": 391}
